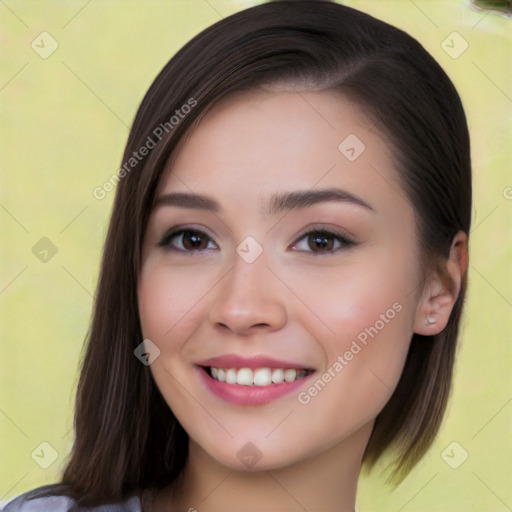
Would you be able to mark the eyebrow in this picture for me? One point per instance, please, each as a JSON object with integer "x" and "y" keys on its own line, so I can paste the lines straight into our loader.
{"x": 279, "y": 202}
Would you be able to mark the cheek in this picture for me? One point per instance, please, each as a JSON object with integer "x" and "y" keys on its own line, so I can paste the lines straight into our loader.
{"x": 370, "y": 313}
{"x": 170, "y": 307}
{"x": 364, "y": 362}
{"x": 169, "y": 302}
{"x": 369, "y": 295}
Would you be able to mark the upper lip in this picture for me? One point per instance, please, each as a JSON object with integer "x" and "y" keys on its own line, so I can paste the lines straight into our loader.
{"x": 260, "y": 361}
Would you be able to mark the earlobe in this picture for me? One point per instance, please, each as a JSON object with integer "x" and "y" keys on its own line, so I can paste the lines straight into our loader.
{"x": 442, "y": 289}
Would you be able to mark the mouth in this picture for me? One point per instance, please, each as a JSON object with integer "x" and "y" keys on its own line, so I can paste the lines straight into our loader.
{"x": 256, "y": 376}
{"x": 251, "y": 381}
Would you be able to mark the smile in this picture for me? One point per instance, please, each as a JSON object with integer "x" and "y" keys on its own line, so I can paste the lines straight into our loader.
{"x": 251, "y": 380}
{"x": 257, "y": 376}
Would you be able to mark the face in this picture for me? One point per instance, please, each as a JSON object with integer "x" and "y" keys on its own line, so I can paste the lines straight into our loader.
{"x": 283, "y": 302}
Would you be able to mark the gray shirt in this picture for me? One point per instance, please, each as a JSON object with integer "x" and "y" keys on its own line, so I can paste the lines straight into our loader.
{"x": 23, "y": 503}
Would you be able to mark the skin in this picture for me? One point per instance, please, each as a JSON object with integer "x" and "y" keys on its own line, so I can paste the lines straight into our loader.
{"x": 289, "y": 303}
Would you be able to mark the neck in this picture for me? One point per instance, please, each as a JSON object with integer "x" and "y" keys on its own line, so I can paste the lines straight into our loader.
{"x": 326, "y": 481}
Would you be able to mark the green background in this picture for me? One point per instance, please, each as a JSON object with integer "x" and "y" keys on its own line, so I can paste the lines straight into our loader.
{"x": 64, "y": 123}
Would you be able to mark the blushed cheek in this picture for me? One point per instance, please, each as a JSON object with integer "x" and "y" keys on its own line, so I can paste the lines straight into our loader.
{"x": 365, "y": 368}
{"x": 373, "y": 339}
{"x": 170, "y": 304}
{"x": 165, "y": 321}
{"x": 374, "y": 298}
{"x": 369, "y": 312}
{"x": 153, "y": 308}
{"x": 353, "y": 307}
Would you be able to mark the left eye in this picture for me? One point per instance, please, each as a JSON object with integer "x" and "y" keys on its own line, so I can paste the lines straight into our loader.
{"x": 189, "y": 240}
{"x": 324, "y": 242}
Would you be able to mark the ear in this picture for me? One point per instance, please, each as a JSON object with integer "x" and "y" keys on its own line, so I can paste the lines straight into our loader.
{"x": 441, "y": 289}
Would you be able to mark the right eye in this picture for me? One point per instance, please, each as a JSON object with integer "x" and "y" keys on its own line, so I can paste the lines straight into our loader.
{"x": 186, "y": 240}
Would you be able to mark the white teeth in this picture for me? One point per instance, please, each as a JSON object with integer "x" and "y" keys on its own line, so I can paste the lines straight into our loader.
{"x": 289, "y": 375}
{"x": 262, "y": 377}
{"x": 277, "y": 375}
{"x": 244, "y": 377}
{"x": 231, "y": 377}
{"x": 257, "y": 376}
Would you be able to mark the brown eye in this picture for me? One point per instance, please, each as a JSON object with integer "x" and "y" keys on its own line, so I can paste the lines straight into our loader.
{"x": 191, "y": 240}
{"x": 321, "y": 241}
{"x": 186, "y": 240}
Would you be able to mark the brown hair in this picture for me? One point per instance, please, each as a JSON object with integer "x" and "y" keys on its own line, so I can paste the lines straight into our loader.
{"x": 127, "y": 438}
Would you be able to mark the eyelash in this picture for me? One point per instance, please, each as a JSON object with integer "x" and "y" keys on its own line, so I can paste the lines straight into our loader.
{"x": 344, "y": 241}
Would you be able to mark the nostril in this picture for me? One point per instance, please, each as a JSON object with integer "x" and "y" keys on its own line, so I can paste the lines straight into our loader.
{"x": 242, "y": 330}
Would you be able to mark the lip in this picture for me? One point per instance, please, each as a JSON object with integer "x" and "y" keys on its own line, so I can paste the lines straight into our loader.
{"x": 248, "y": 395}
{"x": 260, "y": 361}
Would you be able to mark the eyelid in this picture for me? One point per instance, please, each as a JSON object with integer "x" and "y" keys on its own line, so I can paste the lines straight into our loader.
{"x": 322, "y": 227}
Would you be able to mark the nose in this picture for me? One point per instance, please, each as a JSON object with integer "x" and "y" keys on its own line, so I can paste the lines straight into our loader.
{"x": 250, "y": 298}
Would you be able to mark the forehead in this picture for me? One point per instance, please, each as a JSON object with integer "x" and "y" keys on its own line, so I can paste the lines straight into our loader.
{"x": 252, "y": 145}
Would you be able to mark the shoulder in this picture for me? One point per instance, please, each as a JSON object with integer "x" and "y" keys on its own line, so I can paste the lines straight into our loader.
{"x": 41, "y": 500}
{"x": 25, "y": 503}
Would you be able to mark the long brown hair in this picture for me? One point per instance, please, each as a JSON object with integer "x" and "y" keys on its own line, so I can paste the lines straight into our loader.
{"x": 127, "y": 438}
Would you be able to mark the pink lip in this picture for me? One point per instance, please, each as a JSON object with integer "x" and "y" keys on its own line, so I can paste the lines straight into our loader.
{"x": 234, "y": 361}
{"x": 248, "y": 395}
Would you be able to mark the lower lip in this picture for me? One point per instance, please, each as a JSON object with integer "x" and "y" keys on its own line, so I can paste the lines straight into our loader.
{"x": 249, "y": 395}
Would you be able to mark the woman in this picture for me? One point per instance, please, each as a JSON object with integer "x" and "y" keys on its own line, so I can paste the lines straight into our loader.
{"x": 283, "y": 276}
